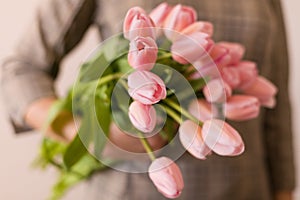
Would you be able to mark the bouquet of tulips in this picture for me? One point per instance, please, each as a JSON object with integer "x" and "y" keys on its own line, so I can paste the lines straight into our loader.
{"x": 163, "y": 75}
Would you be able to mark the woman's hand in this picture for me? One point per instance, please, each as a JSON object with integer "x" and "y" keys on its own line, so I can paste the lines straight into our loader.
{"x": 63, "y": 127}
{"x": 124, "y": 146}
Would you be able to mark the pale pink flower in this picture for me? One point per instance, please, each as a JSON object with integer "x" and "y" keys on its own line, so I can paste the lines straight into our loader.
{"x": 264, "y": 90}
{"x": 241, "y": 107}
{"x": 138, "y": 23}
{"x": 190, "y": 48}
{"x": 202, "y": 109}
{"x": 231, "y": 76}
{"x": 160, "y": 13}
{"x": 221, "y": 138}
{"x": 212, "y": 63}
{"x": 220, "y": 55}
{"x": 247, "y": 73}
{"x": 217, "y": 91}
{"x": 143, "y": 117}
{"x": 200, "y": 26}
{"x": 146, "y": 87}
{"x": 236, "y": 51}
{"x": 190, "y": 135}
{"x": 166, "y": 176}
{"x": 179, "y": 18}
{"x": 142, "y": 53}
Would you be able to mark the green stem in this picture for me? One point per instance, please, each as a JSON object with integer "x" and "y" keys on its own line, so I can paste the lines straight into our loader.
{"x": 147, "y": 146}
{"x": 172, "y": 114}
{"x": 165, "y": 56}
{"x": 108, "y": 78}
{"x": 182, "y": 111}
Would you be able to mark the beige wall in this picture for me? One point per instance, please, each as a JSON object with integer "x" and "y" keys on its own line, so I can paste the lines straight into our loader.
{"x": 17, "y": 179}
{"x": 292, "y": 16}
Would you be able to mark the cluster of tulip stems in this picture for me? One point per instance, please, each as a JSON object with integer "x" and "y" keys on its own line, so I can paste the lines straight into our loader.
{"x": 233, "y": 83}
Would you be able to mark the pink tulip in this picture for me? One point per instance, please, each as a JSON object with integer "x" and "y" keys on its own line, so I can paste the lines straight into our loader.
{"x": 264, "y": 90}
{"x": 190, "y": 48}
{"x": 241, "y": 107}
{"x": 217, "y": 91}
{"x": 236, "y": 51}
{"x": 137, "y": 23}
{"x": 142, "y": 53}
{"x": 143, "y": 117}
{"x": 247, "y": 73}
{"x": 231, "y": 76}
{"x": 190, "y": 136}
{"x": 202, "y": 110}
{"x": 221, "y": 138}
{"x": 220, "y": 55}
{"x": 179, "y": 18}
{"x": 206, "y": 68}
{"x": 160, "y": 13}
{"x": 166, "y": 176}
{"x": 211, "y": 64}
{"x": 146, "y": 87}
{"x": 200, "y": 26}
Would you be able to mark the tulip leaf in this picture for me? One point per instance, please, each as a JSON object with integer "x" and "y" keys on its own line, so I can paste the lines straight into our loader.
{"x": 93, "y": 69}
{"x": 114, "y": 47}
{"x": 80, "y": 171}
{"x": 74, "y": 152}
{"x": 102, "y": 114}
{"x": 77, "y": 148}
{"x": 198, "y": 84}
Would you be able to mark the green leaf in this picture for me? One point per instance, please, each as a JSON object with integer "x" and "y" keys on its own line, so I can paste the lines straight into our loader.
{"x": 75, "y": 151}
{"x": 50, "y": 152}
{"x": 103, "y": 118}
{"x": 108, "y": 52}
{"x": 198, "y": 84}
{"x": 114, "y": 47}
{"x": 93, "y": 69}
{"x": 81, "y": 171}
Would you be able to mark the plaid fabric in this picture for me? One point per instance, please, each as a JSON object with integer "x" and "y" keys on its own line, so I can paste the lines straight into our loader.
{"x": 266, "y": 166}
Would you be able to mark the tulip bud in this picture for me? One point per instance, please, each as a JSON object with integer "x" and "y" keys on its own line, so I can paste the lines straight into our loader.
{"x": 166, "y": 176}
{"x": 236, "y": 51}
{"x": 160, "y": 13}
{"x": 137, "y": 23}
{"x": 221, "y": 138}
{"x": 231, "y": 76}
{"x": 190, "y": 135}
{"x": 200, "y": 26}
{"x": 217, "y": 91}
{"x": 211, "y": 64}
{"x": 264, "y": 90}
{"x": 190, "y": 48}
{"x": 248, "y": 73}
{"x": 202, "y": 110}
{"x": 146, "y": 87}
{"x": 220, "y": 55}
{"x": 143, "y": 117}
{"x": 142, "y": 53}
{"x": 179, "y": 18}
{"x": 241, "y": 107}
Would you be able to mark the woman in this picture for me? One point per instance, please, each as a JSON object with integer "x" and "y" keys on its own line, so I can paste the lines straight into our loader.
{"x": 265, "y": 171}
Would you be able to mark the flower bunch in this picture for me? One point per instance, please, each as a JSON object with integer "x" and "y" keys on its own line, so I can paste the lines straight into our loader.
{"x": 233, "y": 89}
{"x": 165, "y": 74}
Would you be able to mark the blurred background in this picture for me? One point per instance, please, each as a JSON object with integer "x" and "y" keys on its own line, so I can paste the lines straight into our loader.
{"x": 18, "y": 180}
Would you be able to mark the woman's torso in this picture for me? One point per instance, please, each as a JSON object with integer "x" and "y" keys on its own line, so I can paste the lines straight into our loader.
{"x": 217, "y": 178}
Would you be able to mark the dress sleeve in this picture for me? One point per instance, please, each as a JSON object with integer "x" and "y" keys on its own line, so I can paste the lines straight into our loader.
{"x": 28, "y": 73}
{"x": 278, "y": 129}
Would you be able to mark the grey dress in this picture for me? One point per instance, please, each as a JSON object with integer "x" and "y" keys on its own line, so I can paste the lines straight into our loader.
{"x": 267, "y": 164}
